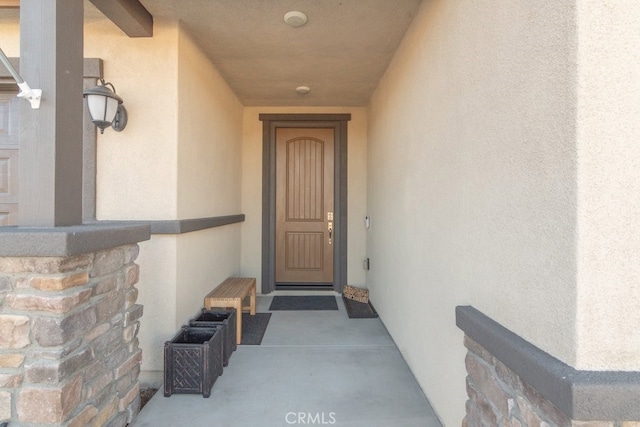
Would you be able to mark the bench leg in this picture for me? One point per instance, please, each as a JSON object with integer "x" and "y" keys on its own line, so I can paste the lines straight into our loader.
{"x": 252, "y": 301}
{"x": 238, "y": 307}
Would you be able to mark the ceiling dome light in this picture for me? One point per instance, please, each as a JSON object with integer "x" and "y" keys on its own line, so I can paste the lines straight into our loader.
{"x": 295, "y": 18}
{"x": 303, "y": 90}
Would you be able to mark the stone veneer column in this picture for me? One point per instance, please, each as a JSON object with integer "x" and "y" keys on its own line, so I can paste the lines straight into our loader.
{"x": 68, "y": 338}
{"x": 508, "y": 379}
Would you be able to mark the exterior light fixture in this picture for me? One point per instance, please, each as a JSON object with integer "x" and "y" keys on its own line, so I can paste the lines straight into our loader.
{"x": 32, "y": 95}
{"x": 106, "y": 107}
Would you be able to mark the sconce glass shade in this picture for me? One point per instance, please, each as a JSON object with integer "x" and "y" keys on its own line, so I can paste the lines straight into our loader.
{"x": 105, "y": 107}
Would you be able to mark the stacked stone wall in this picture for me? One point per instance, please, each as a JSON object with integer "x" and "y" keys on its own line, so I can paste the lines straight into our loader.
{"x": 69, "y": 351}
{"x": 499, "y": 398}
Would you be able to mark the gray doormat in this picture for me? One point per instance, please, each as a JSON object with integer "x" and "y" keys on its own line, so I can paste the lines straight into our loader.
{"x": 307, "y": 302}
{"x": 254, "y": 327}
{"x": 359, "y": 310}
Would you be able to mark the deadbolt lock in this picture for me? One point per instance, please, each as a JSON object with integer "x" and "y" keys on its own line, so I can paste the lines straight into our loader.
{"x": 329, "y": 216}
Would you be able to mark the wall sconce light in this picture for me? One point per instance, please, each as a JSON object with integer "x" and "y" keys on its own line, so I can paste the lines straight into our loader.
{"x": 106, "y": 107}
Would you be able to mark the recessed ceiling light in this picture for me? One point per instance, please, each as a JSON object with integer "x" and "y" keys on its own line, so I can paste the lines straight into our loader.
{"x": 295, "y": 18}
{"x": 303, "y": 90}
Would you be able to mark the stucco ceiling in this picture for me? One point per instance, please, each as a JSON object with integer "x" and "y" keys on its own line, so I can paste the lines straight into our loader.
{"x": 341, "y": 53}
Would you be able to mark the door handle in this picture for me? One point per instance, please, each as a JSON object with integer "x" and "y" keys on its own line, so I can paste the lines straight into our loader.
{"x": 330, "y": 229}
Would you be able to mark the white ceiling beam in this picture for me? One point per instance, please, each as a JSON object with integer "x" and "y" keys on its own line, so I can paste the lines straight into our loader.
{"x": 129, "y": 15}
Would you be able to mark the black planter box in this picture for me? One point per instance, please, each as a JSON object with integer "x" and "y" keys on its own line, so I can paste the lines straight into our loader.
{"x": 193, "y": 360}
{"x": 226, "y": 318}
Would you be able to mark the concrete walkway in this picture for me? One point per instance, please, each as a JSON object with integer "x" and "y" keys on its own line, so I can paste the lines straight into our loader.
{"x": 313, "y": 368}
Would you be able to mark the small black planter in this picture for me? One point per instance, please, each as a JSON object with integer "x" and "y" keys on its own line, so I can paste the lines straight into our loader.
{"x": 226, "y": 318}
{"x": 193, "y": 360}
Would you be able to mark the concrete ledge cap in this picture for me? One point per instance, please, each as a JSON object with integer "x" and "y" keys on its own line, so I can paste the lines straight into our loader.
{"x": 68, "y": 241}
{"x": 581, "y": 395}
{"x": 195, "y": 224}
{"x": 181, "y": 226}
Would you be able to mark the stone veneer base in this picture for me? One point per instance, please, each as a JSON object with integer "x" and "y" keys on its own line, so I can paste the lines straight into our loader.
{"x": 69, "y": 352}
{"x": 510, "y": 382}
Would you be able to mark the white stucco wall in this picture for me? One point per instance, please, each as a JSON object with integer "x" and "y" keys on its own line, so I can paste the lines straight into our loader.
{"x": 252, "y": 188}
{"x": 158, "y": 295}
{"x": 209, "y": 137}
{"x": 209, "y": 174}
{"x": 471, "y": 188}
{"x": 178, "y": 158}
{"x": 137, "y": 168}
{"x": 608, "y": 303}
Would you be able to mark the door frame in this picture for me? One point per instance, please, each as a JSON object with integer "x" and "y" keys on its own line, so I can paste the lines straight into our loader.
{"x": 270, "y": 122}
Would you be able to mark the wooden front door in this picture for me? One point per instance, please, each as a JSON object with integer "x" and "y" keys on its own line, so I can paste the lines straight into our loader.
{"x": 9, "y": 153}
{"x": 304, "y": 206}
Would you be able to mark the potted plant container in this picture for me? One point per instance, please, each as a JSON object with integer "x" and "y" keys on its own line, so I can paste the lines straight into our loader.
{"x": 226, "y": 318}
{"x": 193, "y": 360}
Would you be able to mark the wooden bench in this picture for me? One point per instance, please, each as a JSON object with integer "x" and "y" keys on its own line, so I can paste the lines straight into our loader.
{"x": 230, "y": 293}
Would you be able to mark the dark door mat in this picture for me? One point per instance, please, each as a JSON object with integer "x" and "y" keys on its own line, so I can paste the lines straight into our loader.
{"x": 254, "y": 327}
{"x": 359, "y": 310}
{"x": 309, "y": 302}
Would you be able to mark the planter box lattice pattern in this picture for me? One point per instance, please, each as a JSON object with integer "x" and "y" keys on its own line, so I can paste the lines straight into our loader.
{"x": 193, "y": 360}
{"x": 225, "y": 318}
